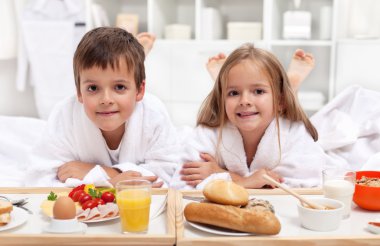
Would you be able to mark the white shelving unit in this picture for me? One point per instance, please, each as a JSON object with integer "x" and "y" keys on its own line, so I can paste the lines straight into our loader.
{"x": 176, "y": 68}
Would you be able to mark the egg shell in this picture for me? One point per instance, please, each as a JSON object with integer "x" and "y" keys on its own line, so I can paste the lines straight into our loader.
{"x": 64, "y": 208}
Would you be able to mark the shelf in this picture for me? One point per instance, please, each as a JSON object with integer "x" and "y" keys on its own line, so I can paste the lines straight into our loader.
{"x": 359, "y": 41}
{"x": 301, "y": 42}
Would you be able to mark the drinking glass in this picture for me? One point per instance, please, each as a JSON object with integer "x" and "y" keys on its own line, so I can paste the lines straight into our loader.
{"x": 339, "y": 184}
{"x": 133, "y": 198}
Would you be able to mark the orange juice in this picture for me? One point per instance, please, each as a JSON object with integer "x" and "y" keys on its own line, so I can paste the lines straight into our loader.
{"x": 134, "y": 208}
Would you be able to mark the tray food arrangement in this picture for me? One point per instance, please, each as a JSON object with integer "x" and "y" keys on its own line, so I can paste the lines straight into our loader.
{"x": 274, "y": 219}
{"x": 96, "y": 222}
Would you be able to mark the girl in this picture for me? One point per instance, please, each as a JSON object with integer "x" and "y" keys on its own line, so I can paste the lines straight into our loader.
{"x": 250, "y": 124}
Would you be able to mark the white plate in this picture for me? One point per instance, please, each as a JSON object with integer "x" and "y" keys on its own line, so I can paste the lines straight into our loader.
{"x": 18, "y": 217}
{"x": 373, "y": 228}
{"x": 100, "y": 220}
{"x": 81, "y": 229}
{"x": 218, "y": 230}
{"x": 157, "y": 206}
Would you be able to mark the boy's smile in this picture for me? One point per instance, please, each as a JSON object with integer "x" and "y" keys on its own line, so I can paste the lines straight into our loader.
{"x": 109, "y": 97}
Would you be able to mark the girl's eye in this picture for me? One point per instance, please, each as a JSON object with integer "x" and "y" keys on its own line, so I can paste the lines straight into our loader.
{"x": 92, "y": 88}
{"x": 120, "y": 87}
{"x": 233, "y": 93}
{"x": 259, "y": 91}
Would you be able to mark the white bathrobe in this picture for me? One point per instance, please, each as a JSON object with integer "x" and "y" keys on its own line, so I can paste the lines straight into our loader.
{"x": 301, "y": 162}
{"x": 148, "y": 145}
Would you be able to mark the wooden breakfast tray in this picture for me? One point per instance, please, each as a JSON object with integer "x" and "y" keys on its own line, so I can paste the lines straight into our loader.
{"x": 100, "y": 233}
{"x": 352, "y": 231}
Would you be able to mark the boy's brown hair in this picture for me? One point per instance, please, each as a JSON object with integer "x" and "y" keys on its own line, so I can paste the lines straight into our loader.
{"x": 105, "y": 46}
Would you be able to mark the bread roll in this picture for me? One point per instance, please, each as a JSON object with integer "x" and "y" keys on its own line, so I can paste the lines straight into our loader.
{"x": 254, "y": 221}
{"x": 5, "y": 218}
{"x": 5, "y": 207}
{"x": 226, "y": 192}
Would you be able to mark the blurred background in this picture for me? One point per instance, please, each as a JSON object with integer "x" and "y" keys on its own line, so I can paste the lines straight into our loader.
{"x": 38, "y": 39}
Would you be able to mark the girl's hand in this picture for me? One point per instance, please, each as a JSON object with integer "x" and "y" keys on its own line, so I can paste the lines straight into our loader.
{"x": 256, "y": 180}
{"x": 195, "y": 172}
{"x": 129, "y": 175}
{"x": 74, "y": 169}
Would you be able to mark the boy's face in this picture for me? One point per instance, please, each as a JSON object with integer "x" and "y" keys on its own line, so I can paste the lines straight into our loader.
{"x": 109, "y": 96}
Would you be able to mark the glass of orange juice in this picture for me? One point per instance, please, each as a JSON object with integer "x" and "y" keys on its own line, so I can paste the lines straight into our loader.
{"x": 133, "y": 198}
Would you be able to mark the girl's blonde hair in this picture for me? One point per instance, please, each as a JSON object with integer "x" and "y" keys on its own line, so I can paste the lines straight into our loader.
{"x": 285, "y": 104}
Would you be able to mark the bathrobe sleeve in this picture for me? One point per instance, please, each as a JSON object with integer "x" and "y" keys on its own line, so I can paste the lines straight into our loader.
{"x": 200, "y": 140}
{"x": 52, "y": 150}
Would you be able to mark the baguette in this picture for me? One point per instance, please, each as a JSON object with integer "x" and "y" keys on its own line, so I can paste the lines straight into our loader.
{"x": 226, "y": 192}
{"x": 261, "y": 222}
{"x": 5, "y": 207}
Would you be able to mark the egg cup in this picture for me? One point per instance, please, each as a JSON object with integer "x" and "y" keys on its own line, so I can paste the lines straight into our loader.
{"x": 66, "y": 226}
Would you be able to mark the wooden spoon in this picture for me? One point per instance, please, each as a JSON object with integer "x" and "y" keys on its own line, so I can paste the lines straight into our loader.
{"x": 302, "y": 199}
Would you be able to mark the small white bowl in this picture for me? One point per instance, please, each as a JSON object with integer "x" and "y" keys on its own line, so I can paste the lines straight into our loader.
{"x": 321, "y": 220}
{"x": 66, "y": 226}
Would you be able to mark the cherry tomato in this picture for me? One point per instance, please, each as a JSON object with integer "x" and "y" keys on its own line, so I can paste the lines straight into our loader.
{"x": 84, "y": 198}
{"x": 77, "y": 195}
{"x": 108, "y": 197}
{"x": 89, "y": 204}
{"x": 99, "y": 201}
{"x": 80, "y": 187}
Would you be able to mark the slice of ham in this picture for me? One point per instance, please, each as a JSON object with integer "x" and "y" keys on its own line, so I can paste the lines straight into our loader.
{"x": 108, "y": 210}
{"x": 83, "y": 214}
{"x": 100, "y": 212}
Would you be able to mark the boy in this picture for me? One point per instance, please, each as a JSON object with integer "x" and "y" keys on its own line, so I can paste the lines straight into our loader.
{"x": 111, "y": 131}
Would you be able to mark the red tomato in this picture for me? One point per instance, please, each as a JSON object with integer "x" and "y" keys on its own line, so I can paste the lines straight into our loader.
{"x": 89, "y": 204}
{"x": 80, "y": 187}
{"x": 84, "y": 198}
{"x": 77, "y": 195}
{"x": 108, "y": 197}
{"x": 99, "y": 201}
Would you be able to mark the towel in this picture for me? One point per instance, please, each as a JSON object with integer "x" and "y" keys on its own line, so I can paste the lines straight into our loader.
{"x": 47, "y": 42}
{"x": 8, "y": 29}
{"x": 149, "y": 144}
{"x": 300, "y": 164}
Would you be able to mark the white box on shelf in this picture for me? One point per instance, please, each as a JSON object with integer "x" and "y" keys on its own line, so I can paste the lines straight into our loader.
{"x": 129, "y": 22}
{"x": 177, "y": 31}
{"x": 297, "y": 25}
{"x": 244, "y": 30}
{"x": 211, "y": 27}
{"x": 311, "y": 100}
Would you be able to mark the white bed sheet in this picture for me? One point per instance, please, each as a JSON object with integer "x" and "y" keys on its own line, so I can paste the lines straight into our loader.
{"x": 17, "y": 136}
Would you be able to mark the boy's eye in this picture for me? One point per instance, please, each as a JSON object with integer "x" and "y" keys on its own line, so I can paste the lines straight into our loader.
{"x": 233, "y": 93}
{"x": 92, "y": 88}
{"x": 120, "y": 87}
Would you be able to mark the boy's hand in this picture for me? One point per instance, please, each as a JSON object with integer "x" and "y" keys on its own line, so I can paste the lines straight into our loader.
{"x": 74, "y": 169}
{"x": 256, "y": 180}
{"x": 195, "y": 172}
{"x": 128, "y": 175}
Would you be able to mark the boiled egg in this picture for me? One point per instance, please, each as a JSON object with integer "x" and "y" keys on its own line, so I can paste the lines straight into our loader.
{"x": 64, "y": 208}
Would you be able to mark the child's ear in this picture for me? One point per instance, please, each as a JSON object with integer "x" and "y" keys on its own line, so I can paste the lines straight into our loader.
{"x": 79, "y": 96}
{"x": 140, "y": 91}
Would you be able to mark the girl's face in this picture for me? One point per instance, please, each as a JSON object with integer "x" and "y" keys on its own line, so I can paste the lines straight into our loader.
{"x": 249, "y": 98}
{"x": 109, "y": 97}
